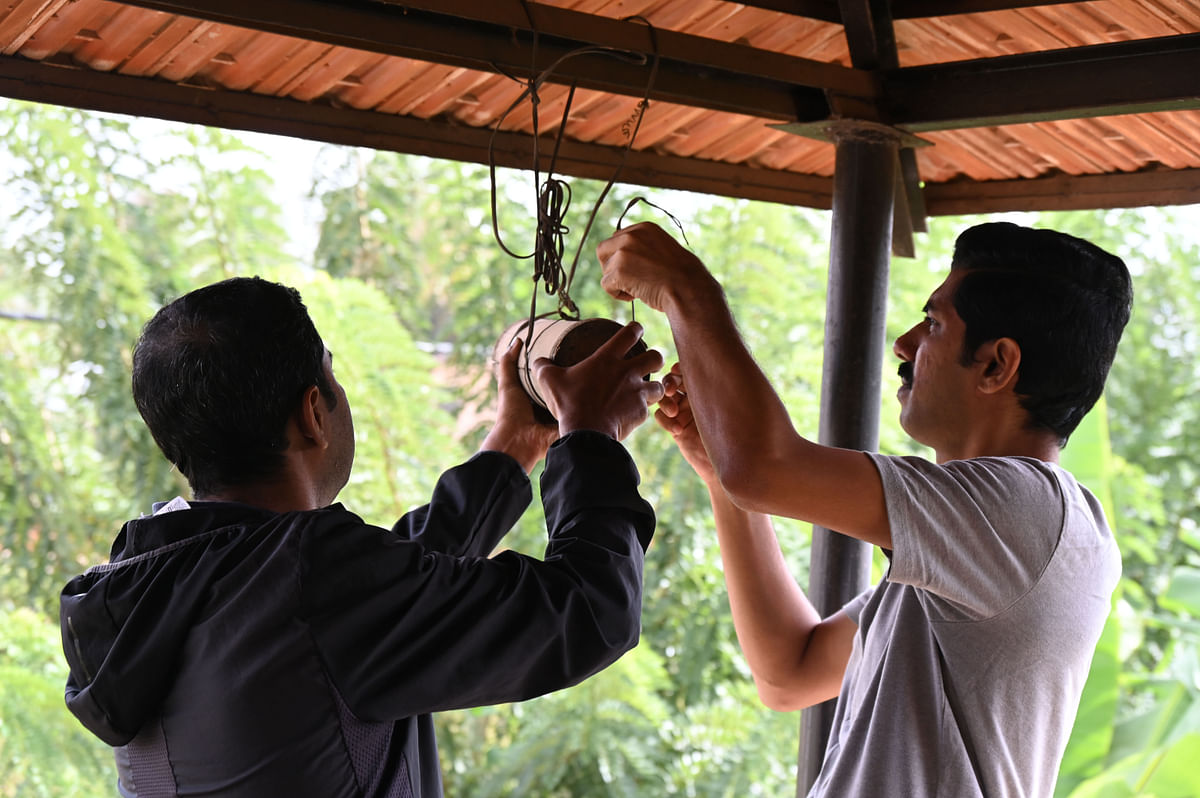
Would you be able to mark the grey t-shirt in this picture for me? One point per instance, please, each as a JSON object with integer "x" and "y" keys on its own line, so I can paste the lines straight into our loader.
{"x": 972, "y": 651}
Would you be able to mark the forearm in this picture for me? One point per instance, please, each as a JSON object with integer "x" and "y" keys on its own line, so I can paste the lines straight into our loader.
{"x": 473, "y": 506}
{"x": 744, "y": 425}
{"x": 762, "y": 462}
{"x": 772, "y": 616}
{"x": 407, "y": 630}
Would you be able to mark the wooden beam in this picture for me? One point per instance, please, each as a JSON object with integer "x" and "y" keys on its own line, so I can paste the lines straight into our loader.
{"x": 919, "y": 9}
{"x": 871, "y": 35}
{"x": 1100, "y": 80}
{"x": 829, "y": 11}
{"x": 692, "y": 70}
{"x": 1065, "y": 192}
{"x": 114, "y": 93}
{"x": 699, "y": 52}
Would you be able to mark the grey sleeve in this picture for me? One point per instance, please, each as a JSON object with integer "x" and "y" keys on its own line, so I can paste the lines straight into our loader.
{"x": 854, "y": 607}
{"x": 975, "y": 534}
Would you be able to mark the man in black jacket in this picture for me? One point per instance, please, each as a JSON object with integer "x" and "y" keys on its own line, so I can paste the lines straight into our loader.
{"x": 259, "y": 640}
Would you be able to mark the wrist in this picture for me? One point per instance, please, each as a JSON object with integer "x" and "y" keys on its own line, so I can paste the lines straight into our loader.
{"x": 527, "y": 450}
{"x": 567, "y": 425}
{"x": 694, "y": 295}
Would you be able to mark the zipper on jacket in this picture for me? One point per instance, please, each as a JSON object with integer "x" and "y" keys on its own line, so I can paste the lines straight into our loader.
{"x": 87, "y": 674}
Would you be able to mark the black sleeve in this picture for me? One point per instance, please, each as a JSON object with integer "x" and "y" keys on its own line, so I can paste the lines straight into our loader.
{"x": 473, "y": 506}
{"x": 404, "y": 630}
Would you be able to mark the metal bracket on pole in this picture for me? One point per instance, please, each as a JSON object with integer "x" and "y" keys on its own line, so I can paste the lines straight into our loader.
{"x": 835, "y": 130}
{"x": 910, "y": 202}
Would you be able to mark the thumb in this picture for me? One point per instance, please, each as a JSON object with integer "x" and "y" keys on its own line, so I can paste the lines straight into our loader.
{"x": 545, "y": 373}
{"x": 506, "y": 367}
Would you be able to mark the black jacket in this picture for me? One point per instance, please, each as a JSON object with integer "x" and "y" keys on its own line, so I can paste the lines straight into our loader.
{"x": 227, "y": 650}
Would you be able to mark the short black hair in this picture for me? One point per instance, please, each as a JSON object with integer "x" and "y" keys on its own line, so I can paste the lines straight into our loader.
{"x": 216, "y": 374}
{"x": 1064, "y": 300}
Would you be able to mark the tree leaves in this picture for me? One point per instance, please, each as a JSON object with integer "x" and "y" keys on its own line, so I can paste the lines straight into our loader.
{"x": 108, "y": 218}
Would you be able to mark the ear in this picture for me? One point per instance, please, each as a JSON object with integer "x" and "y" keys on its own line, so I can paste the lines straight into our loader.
{"x": 312, "y": 418}
{"x": 1002, "y": 361}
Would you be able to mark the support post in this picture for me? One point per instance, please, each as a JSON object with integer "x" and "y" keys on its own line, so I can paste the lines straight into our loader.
{"x": 860, "y": 248}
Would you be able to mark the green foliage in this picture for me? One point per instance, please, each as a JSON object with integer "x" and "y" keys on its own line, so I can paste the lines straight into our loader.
{"x": 108, "y": 218}
{"x": 399, "y": 415}
{"x": 43, "y": 749}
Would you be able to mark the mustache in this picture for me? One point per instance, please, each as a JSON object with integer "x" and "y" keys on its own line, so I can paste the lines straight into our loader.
{"x": 906, "y": 372}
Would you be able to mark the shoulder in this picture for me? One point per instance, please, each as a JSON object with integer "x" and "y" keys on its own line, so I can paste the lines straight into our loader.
{"x": 1003, "y": 478}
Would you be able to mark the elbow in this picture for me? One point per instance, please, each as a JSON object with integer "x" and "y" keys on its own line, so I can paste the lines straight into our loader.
{"x": 747, "y": 483}
{"x": 617, "y": 638}
{"x": 757, "y": 475}
{"x": 777, "y": 700}
{"x": 784, "y": 698}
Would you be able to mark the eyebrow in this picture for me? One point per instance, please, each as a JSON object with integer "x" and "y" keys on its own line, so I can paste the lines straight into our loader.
{"x": 933, "y": 304}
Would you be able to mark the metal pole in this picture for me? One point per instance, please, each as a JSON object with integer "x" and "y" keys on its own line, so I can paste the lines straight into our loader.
{"x": 860, "y": 248}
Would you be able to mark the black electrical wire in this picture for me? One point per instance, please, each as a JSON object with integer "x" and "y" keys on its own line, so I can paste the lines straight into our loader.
{"x": 554, "y": 195}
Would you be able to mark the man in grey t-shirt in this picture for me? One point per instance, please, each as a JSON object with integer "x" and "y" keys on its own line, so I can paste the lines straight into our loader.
{"x": 960, "y": 673}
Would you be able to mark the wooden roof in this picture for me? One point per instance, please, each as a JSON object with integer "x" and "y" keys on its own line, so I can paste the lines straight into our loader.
{"x": 1011, "y": 105}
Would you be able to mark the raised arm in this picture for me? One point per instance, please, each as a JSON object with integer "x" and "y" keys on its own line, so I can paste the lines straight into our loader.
{"x": 797, "y": 659}
{"x": 760, "y": 460}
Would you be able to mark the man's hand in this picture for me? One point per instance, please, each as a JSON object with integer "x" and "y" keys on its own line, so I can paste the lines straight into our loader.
{"x": 644, "y": 262}
{"x": 674, "y": 414}
{"x": 517, "y": 432}
{"x": 606, "y": 391}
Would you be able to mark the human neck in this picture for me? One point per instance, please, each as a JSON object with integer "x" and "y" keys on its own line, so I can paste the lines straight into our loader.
{"x": 1038, "y": 444}
{"x": 278, "y": 497}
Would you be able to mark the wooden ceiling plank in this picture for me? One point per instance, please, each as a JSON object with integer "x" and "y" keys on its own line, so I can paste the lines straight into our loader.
{"x": 1049, "y": 150}
{"x": 23, "y": 21}
{"x": 797, "y": 154}
{"x": 1184, "y": 129}
{"x": 816, "y": 157}
{"x": 128, "y": 29}
{"x": 258, "y": 57}
{"x": 1092, "y": 138}
{"x": 673, "y": 126}
{"x": 206, "y": 42}
{"x": 319, "y": 62}
{"x": 456, "y": 91}
{"x": 987, "y": 145}
{"x": 59, "y": 33}
{"x": 736, "y": 147}
{"x": 969, "y": 159}
{"x": 1100, "y": 80}
{"x": 171, "y": 37}
{"x": 736, "y": 84}
{"x": 1171, "y": 150}
{"x": 382, "y": 81}
{"x": 1060, "y": 145}
{"x": 322, "y": 78}
{"x": 412, "y": 94}
{"x": 298, "y": 57}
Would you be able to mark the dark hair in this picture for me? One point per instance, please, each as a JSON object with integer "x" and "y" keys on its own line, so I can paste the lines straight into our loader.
{"x": 217, "y": 372}
{"x": 1063, "y": 300}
